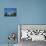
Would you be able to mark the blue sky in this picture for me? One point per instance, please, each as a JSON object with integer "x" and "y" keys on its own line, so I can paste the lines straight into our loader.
{"x": 9, "y": 9}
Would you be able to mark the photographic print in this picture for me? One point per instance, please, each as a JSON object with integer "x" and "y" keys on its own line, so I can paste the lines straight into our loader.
{"x": 10, "y": 12}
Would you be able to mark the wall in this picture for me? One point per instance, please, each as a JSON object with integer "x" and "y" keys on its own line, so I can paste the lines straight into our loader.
{"x": 28, "y": 12}
{"x": 33, "y": 12}
{"x": 7, "y": 24}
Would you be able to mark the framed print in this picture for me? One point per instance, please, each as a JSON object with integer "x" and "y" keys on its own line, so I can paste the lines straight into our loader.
{"x": 10, "y": 12}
